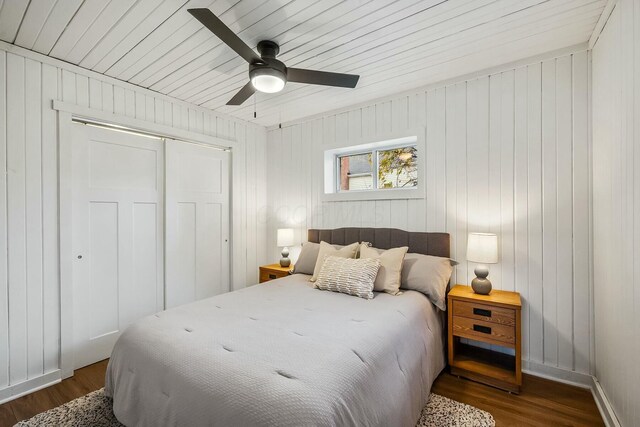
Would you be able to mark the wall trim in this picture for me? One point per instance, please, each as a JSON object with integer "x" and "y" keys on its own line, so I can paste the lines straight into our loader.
{"x": 602, "y": 21}
{"x": 570, "y": 50}
{"x": 142, "y": 125}
{"x": 592, "y": 317}
{"x": 65, "y": 198}
{"x": 604, "y": 405}
{"x": 574, "y": 378}
{"x": 29, "y": 386}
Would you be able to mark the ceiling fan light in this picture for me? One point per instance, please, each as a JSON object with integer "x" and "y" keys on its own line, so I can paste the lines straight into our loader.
{"x": 268, "y": 80}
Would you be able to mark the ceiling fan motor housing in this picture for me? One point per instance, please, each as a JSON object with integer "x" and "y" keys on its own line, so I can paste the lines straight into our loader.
{"x": 268, "y": 49}
{"x": 269, "y": 66}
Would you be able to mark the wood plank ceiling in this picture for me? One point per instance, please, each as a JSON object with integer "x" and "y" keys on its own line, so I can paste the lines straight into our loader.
{"x": 394, "y": 45}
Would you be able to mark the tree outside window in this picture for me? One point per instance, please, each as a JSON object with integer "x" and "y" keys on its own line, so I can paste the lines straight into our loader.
{"x": 398, "y": 168}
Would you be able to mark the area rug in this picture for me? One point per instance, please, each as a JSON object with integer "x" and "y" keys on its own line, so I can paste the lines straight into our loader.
{"x": 94, "y": 410}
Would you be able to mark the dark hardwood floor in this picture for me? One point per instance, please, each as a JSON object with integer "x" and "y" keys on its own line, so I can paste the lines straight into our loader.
{"x": 84, "y": 381}
{"x": 541, "y": 402}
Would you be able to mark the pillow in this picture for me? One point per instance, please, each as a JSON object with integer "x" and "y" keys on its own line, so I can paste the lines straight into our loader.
{"x": 429, "y": 275}
{"x": 389, "y": 275}
{"x": 306, "y": 262}
{"x": 326, "y": 250}
{"x": 348, "y": 276}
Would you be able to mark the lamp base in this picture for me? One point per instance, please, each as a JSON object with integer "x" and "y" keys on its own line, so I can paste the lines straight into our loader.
{"x": 480, "y": 284}
{"x": 285, "y": 261}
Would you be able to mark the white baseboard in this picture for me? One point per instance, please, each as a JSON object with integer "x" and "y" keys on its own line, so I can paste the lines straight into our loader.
{"x": 29, "y": 386}
{"x": 557, "y": 374}
{"x": 604, "y": 406}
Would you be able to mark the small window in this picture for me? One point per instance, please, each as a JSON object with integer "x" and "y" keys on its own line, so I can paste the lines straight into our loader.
{"x": 381, "y": 169}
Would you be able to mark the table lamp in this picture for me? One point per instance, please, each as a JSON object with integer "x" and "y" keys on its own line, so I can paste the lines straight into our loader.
{"x": 483, "y": 249}
{"x": 285, "y": 238}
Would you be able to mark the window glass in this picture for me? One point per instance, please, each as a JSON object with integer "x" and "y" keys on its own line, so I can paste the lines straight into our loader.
{"x": 356, "y": 172}
{"x": 398, "y": 168}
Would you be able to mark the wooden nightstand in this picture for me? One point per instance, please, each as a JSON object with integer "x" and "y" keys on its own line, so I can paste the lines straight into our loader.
{"x": 492, "y": 319}
{"x": 273, "y": 271}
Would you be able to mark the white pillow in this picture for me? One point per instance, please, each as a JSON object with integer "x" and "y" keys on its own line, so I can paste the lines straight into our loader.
{"x": 326, "y": 250}
{"x": 348, "y": 276}
{"x": 429, "y": 275}
{"x": 389, "y": 274}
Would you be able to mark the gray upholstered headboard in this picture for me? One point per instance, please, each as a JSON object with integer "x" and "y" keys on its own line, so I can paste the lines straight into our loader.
{"x": 436, "y": 244}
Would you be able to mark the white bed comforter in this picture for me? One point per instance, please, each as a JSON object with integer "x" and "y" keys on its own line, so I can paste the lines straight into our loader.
{"x": 279, "y": 354}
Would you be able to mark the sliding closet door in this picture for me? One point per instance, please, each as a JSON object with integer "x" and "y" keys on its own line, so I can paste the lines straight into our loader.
{"x": 197, "y": 222}
{"x": 117, "y": 236}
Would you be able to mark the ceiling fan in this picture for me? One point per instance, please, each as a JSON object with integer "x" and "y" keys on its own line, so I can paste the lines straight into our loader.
{"x": 266, "y": 73}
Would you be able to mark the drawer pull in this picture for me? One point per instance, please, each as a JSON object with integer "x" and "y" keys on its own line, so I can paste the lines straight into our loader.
{"x": 482, "y": 329}
{"x": 272, "y": 276}
{"x": 482, "y": 312}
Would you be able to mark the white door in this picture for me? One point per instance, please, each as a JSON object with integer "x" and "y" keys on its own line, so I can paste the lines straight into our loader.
{"x": 118, "y": 272}
{"x": 197, "y": 222}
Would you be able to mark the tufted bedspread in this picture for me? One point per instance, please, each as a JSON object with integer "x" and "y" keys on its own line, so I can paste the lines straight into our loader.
{"x": 279, "y": 354}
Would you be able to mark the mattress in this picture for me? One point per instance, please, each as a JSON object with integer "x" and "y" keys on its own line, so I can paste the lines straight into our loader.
{"x": 279, "y": 354}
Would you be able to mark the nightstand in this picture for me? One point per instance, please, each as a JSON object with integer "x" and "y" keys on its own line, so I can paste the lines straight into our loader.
{"x": 273, "y": 271}
{"x": 492, "y": 319}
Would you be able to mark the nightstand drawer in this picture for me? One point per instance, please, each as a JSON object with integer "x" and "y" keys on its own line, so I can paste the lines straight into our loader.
{"x": 265, "y": 276}
{"x": 486, "y": 313}
{"x": 484, "y": 331}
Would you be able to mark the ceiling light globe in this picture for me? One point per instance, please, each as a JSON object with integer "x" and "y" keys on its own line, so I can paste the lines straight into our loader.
{"x": 268, "y": 80}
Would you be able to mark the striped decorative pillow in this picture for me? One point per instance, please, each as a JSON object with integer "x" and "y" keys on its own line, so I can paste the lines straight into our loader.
{"x": 348, "y": 276}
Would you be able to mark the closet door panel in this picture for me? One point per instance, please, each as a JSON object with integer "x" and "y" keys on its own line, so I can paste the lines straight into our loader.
{"x": 118, "y": 236}
{"x": 197, "y": 226}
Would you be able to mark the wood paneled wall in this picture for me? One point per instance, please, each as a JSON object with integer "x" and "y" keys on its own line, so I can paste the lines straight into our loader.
{"x": 505, "y": 153}
{"x": 616, "y": 209}
{"x": 29, "y": 263}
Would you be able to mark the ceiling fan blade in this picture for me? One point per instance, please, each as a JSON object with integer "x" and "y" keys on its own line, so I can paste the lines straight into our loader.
{"x": 224, "y": 33}
{"x": 299, "y": 75}
{"x": 244, "y": 94}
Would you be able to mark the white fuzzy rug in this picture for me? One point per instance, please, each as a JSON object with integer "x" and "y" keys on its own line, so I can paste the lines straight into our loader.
{"x": 94, "y": 410}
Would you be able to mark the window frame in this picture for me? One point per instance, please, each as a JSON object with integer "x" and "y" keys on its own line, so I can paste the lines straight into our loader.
{"x": 331, "y": 166}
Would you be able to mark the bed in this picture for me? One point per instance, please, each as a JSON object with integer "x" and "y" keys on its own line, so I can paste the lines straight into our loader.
{"x": 283, "y": 353}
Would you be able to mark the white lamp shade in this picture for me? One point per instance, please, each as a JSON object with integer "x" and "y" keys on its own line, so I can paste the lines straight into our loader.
{"x": 482, "y": 248}
{"x": 285, "y": 237}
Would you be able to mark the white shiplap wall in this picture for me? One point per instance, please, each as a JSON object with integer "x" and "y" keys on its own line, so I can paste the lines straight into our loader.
{"x": 506, "y": 153}
{"x": 29, "y": 264}
{"x": 616, "y": 209}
